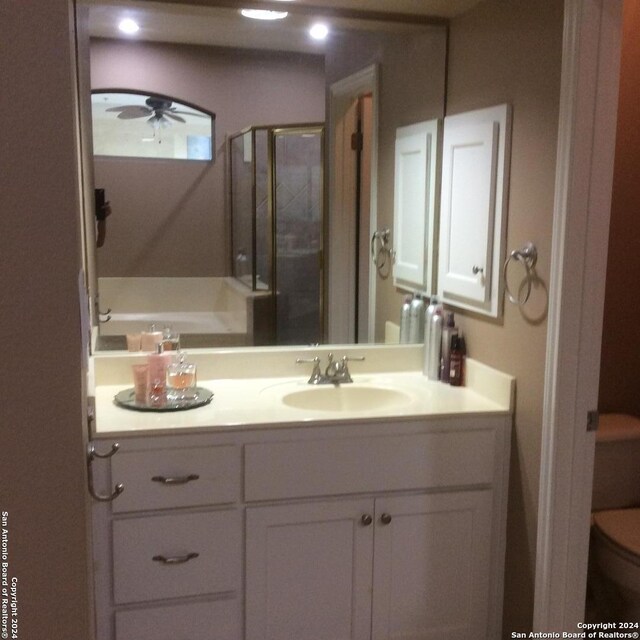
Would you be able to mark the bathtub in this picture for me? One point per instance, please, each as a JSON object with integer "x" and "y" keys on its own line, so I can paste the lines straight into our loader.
{"x": 180, "y": 322}
{"x": 215, "y": 309}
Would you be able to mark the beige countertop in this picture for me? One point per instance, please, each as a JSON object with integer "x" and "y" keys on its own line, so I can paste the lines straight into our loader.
{"x": 260, "y": 401}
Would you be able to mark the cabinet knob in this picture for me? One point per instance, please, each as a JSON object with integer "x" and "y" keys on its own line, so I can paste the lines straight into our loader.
{"x": 476, "y": 270}
{"x": 385, "y": 518}
{"x": 366, "y": 520}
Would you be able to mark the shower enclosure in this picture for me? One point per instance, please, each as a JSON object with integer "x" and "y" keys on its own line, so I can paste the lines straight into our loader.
{"x": 277, "y": 198}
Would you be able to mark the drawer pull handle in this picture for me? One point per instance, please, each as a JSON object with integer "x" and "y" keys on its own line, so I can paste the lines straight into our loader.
{"x": 385, "y": 518}
{"x": 175, "y": 559}
{"x": 366, "y": 520}
{"x": 179, "y": 480}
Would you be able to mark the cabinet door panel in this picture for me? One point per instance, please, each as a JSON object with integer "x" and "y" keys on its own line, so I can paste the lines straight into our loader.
{"x": 309, "y": 572}
{"x": 473, "y": 208}
{"x": 432, "y": 566}
{"x": 414, "y": 205}
{"x": 468, "y": 197}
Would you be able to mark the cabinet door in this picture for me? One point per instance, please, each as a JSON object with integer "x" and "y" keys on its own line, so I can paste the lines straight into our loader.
{"x": 414, "y": 211}
{"x": 309, "y": 571}
{"x": 432, "y": 566}
{"x": 473, "y": 205}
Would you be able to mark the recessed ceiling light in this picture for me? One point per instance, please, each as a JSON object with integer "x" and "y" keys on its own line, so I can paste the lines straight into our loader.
{"x": 128, "y": 26}
{"x": 263, "y": 14}
{"x": 319, "y": 31}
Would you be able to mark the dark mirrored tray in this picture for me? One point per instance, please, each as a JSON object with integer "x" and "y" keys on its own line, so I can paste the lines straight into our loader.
{"x": 127, "y": 400}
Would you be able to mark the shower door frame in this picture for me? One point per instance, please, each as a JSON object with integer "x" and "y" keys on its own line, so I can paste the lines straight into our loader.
{"x": 272, "y": 130}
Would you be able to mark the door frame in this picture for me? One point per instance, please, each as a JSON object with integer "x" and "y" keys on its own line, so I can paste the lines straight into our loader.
{"x": 341, "y": 248}
{"x": 584, "y": 177}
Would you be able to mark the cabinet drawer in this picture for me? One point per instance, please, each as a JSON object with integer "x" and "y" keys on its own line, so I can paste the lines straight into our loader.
{"x": 215, "y": 537}
{"x": 219, "y": 620}
{"x": 176, "y": 478}
{"x": 356, "y": 465}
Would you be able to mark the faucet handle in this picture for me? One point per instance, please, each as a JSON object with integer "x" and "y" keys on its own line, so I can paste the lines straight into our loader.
{"x": 345, "y": 369}
{"x": 316, "y": 374}
{"x": 333, "y": 367}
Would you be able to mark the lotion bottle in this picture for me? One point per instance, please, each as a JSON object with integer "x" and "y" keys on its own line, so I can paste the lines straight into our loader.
{"x": 456, "y": 366}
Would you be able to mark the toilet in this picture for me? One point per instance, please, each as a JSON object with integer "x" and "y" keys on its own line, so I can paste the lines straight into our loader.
{"x": 614, "y": 559}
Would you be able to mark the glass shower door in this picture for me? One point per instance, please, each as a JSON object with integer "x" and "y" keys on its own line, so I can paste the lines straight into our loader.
{"x": 298, "y": 215}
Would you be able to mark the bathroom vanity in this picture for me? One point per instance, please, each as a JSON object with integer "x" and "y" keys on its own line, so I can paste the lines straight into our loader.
{"x": 288, "y": 511}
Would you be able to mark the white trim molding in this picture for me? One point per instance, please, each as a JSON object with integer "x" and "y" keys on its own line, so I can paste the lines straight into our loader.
{"x": 584, "y": 175}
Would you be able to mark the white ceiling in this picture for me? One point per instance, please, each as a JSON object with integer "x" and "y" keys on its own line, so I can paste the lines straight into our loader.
{"x": 216, "y": 26}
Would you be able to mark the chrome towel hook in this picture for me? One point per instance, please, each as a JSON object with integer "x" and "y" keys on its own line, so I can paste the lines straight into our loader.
{"x": 92, "y": 454}
{"x": 527, "y": 256}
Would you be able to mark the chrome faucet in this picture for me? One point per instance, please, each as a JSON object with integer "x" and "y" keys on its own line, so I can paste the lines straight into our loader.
{"x": 336, "y": 372}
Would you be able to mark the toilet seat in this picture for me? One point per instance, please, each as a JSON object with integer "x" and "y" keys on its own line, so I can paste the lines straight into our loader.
{"x": 621, "y": 527}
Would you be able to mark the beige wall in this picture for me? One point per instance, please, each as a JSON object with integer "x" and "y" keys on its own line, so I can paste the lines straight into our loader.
{"x": 169, "y": 215}
{"x": 42, "y": 471}
{"x": 620, "y": 365}
{"x": 511, "y": 52}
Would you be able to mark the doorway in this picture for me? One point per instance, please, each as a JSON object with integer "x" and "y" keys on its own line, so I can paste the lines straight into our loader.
{"x": 352, "y": 200}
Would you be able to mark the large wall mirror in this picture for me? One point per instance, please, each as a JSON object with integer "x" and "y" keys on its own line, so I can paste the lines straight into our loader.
{"x": 168, "y": 254}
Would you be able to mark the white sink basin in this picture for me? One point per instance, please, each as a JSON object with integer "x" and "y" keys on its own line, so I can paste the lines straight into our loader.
{"x": 347, "y": 397}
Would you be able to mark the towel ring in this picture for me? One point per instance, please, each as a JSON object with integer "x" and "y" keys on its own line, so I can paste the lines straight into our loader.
{"x": 527, "y": 256}
{"x": 384, "y": 251}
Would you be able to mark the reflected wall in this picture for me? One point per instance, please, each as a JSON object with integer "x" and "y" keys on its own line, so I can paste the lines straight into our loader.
{"x": 169, "y": 216}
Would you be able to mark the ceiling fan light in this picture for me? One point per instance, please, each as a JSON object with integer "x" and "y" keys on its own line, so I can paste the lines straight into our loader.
{"x": 263, "y": 14}
{"x": 128, "y": 26}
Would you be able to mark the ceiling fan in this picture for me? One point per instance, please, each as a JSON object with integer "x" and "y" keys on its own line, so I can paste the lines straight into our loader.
{"x": 158, "y": 111}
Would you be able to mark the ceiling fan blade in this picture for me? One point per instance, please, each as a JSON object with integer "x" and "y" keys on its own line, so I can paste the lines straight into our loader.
{"x": 189, "y": 113}
{"x": 130, "y": 111}
{"x": 171, "y": 115}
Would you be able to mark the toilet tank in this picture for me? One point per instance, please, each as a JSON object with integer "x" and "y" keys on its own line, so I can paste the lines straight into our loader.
{"x": 616, "y": 475}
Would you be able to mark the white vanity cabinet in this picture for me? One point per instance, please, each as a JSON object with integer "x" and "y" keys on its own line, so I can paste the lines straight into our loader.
{"x": 379, "y": 530}
{"x": 412, "y": 560}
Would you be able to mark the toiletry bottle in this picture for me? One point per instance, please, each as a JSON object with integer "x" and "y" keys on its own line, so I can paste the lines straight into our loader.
{"x": 456, "y": 364}
{"x": 150, "y": 339}
{"x": 435, "y": 345}
{"x": 181, "y": 379}
{"x": 405, "y": 319}
{"x": 158, "y": 363}
{"x": 449, "y": 330}
{"x": 416, "y": 322}
{"x": 428, "y": 324}
{"x": 170, "y": 340}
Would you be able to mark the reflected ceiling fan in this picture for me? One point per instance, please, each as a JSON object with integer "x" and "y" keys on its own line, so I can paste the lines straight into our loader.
{"x": 158, "y": 111}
